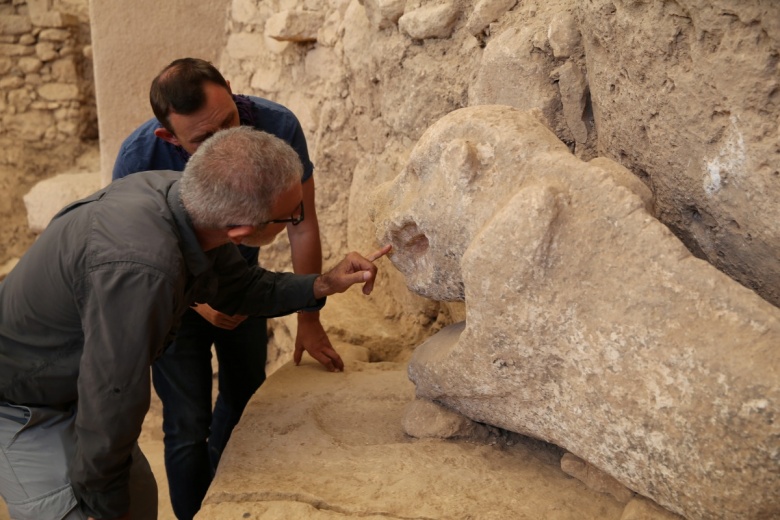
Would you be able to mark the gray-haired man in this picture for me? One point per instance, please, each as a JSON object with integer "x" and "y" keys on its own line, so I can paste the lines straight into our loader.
{"x": 98, "y": 297}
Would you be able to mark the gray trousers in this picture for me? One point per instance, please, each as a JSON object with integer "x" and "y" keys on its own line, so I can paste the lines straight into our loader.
{"x": 36, "y": 447}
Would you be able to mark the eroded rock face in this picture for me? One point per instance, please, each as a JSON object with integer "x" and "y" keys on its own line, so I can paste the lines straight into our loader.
{"x": 588, "y": 324}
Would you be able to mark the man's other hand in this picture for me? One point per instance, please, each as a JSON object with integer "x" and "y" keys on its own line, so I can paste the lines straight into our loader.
{"x": 216, "y": 318}
{"x": 312, "y": 337}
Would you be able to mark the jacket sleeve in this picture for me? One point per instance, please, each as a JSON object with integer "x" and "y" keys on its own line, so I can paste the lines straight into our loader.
{"x": 251, "y": 290}
{"x": 126, "y": 313}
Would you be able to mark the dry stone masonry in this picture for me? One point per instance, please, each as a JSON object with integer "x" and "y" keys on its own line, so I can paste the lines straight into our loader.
{"x": 46, "y": 89}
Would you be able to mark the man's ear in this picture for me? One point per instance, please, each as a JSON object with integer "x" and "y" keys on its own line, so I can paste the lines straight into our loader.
{"x": 238, "y": 233}
{"x": 166, "y": 136}
{"x": 230, "y": 91}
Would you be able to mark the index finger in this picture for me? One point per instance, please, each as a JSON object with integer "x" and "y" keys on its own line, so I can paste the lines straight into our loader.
{"x": 379, "y": 254}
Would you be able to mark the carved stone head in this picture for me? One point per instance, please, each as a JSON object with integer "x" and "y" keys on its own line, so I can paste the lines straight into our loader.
{"x": 465, "y": 166}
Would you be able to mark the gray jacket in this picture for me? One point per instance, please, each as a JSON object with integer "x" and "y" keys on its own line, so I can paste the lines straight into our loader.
{"x": 95, "y": 301}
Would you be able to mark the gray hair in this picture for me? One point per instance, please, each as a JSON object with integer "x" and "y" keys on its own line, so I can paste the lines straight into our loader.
{"x": 235, "y": 177}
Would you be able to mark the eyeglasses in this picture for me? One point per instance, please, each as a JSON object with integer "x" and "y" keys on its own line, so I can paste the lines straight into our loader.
{"x": 294, "y": 219}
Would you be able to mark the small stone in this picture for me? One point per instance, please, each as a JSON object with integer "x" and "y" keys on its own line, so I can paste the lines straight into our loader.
{"x": 564, "y": 35}
{"x": 46, "y": 51}
{"x": 641, "y": 508}
{"x": 14, "y": 24}
{"x": 64, "y": 70}
{"x": 435, "y": 21}
{"x": 487, "y": 12}
{"x": 10, "y": 49}
{"x": 54, "y": 35}
{"x": 20, "y": 99}
{"x": 58, "y": 91}
{"x": 384, "y": 13}
{"x": 425, "y": 419}
{"x": 294, "y": 26}
{"x": 244, "y": 45}
{"x": 5, "y": 64}
{"x": 46, "y": 198}
{"x": 29, "y": 64}
{"x": 11, "y": 82}
{"x": 594, "y": 478}
{"x": 573, "y": 87}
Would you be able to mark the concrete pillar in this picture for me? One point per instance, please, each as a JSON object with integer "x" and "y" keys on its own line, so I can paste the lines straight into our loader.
{"x": 132, "y": 41}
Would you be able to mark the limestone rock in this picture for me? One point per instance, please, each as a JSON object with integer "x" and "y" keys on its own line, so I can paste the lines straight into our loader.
{"x": 294, "y": 26}
{"x": 54, "y": 35}
{"x": 594, "y": 478}
{"x": 59, "y": 91}
{"x": 487, "y": 12}
{"x": 564, "y": 36}
{"x": 29, "y": 64}
{"x": 11, "y": 49}
{"x": 574, "y": 97}
{"x": 245, "y": 11}
{"x": 384, "y": 13}
{"x": 588, "y": 324}
{"x": 244, "y": 45}
{"x": 11, "y": 82}
{"x": 64, "y": 70}
{"x": 641, "y": 508}
{"x": 28, "y": 126}
{"x": 510, "y": 73}
{"x": 46, "y": 51}
{"x": 628, "y": 180}
{"x": 706, "y": 135}
{"x": 20, "y": 99}
{"x": 14, "y": 24}
{"x": 424, "y": 420}
{"x": 429, "y": 21}
{"x": 331, "y": 446}
{"x": 51, "y": 195}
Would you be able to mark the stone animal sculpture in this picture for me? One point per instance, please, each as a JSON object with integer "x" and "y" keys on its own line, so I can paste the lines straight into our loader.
{"x": 588, "y": 324}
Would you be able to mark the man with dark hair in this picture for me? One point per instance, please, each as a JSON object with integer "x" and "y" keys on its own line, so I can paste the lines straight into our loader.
{"x": 101, "y": 293}
{"x": 191, "y": 101}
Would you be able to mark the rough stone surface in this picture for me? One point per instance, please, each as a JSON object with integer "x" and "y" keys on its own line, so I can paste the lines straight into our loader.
{"x": 312, "y": 444}
{"x": 384, "y": 13}
{"x": 642, "y": 509}
{"x": 511, "y": 73}
{"x": 564, "y": 36}
{"x": 430, "y": 21}
{"x": 294, "y": 26}
{"x": 486, "y": 12}
{"x": 678, "y": 100}
{"x": 29, "y": 55}
{"x": 573, "y": 88}
{"x": 588, "y": 324}
{"x": 424, "y": 419}
{"x": 594, "y": 478}
{"x": 49, "y": 196}
{"x": 59, "y": 91}
{"x": 14, "y": 24}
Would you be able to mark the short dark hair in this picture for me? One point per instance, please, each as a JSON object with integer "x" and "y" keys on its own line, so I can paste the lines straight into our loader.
{"x": 179, "y": 88}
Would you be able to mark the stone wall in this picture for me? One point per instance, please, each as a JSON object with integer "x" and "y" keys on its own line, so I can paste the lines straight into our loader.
{"x": 46, "y": 87}
{"x": 684, "y": 94}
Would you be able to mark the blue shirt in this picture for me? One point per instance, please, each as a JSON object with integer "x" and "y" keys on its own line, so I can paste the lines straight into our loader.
{"x": 143, "y": 151}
